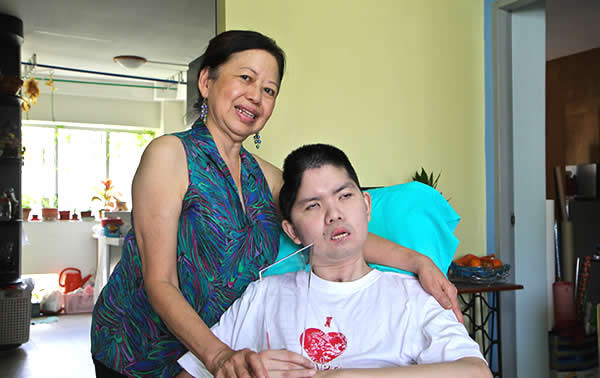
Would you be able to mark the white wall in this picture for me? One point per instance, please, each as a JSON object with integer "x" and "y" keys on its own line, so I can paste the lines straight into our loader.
{"x": 173, "y": 116}
{"x": 53, "y": 246}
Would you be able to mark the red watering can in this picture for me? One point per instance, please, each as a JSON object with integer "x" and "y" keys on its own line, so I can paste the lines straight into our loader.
{"x": 70, "y": 279}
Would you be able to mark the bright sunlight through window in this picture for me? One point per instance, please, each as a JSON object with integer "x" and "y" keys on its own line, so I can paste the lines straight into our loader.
{"x": 64, "y": 166}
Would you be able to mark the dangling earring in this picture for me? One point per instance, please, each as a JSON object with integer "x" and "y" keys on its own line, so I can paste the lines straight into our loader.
{"x": 257, "y": 141}
{"x": 203, "y": 111}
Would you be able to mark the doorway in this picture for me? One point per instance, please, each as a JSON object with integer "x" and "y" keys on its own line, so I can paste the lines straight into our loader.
{"x": 519, "y": 41}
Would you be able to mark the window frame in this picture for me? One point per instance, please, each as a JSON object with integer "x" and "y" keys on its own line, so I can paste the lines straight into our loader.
{"x": 107, "y": 129}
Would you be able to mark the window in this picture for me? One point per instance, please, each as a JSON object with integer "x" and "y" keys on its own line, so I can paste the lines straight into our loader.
{"x": 65, "y": 165}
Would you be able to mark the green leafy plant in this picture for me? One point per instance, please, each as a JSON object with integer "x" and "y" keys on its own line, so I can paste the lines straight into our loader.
{"x": 427, "y": 179}
{"x": 46, "y": 202}
{"x": 144, "y": 138}
{"x": 27, "y": 201}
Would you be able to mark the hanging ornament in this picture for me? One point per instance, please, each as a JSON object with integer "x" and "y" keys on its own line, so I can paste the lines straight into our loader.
{"x": 29, "y": 94}
{"x": 50, "y": 82}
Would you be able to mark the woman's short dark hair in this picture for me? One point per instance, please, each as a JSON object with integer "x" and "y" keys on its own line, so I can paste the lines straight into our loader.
{"x": 304, "y": 158}
{"x": 223, "y": 45}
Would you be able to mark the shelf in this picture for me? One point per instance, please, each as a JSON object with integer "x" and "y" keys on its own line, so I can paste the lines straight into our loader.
{"x": 115, "y": 242}
{"x": 7, "y": 99}
{"x": 9, "y": 159}
{"x": 11, "y": 222}
{"x": 108, "y": 240}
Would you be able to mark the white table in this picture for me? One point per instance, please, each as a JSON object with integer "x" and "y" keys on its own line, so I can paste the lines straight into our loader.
{"x": 103, "y": 253}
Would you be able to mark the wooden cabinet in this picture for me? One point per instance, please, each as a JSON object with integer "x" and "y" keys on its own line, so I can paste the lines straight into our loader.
{"x": 572, "y": 113}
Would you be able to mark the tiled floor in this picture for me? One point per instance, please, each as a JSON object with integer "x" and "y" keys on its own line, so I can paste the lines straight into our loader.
{"x": 60, "y": 349}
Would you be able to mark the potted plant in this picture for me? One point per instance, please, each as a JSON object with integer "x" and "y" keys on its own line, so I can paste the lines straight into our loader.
{"x": 49, "y": 213}
{"x": 26, "y": 203}
{"x": 64, "y": 214}
{"x": 428, "y": 179}
{"x": 107, "y": 195}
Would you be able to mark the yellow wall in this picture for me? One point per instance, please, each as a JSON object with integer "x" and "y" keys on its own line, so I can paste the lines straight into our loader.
{"x": 396, "y": 84}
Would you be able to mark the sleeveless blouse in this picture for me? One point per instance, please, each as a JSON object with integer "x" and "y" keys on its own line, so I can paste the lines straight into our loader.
{"x": 220, "y": 249}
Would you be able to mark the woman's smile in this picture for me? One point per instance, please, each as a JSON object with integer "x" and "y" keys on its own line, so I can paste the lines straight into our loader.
{"x": 245, "y": 113}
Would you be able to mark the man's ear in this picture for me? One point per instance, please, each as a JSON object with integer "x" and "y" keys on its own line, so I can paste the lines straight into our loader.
{"x": 290, "y": 231}
{"x": 367, "y": 198}
{"x": 203, "y": 81}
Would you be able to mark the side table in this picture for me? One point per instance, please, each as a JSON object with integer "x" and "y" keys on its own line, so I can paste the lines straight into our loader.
{"x": 103, "y": 261}
{"x": 484, "y": 322}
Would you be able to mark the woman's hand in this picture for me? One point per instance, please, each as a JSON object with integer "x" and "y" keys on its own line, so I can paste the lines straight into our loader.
{"x": 283, "y": 363}
{"x": 245, "y": 363}
{"x": 435, "y": 283}
{"x": 382, "y": 251}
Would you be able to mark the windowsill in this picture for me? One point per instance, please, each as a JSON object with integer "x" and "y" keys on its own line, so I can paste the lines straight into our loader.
{"x": 91, "y": 222}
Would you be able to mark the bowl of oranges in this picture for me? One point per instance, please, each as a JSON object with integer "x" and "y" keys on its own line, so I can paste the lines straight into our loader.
{"x": 473, "y": 268}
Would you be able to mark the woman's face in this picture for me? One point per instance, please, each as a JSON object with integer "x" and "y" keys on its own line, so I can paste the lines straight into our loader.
{"x": 242, "y": 96}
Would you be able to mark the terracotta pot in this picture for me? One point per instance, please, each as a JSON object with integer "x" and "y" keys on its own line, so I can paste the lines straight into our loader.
{"x": 34, "y": 217}
{"x": 74, "y": 217}
{"x": 26, "y": 211}
{"x": 49, "y": 213}
{"x": 87, "y": 213}
{"x": 65, "y": 214}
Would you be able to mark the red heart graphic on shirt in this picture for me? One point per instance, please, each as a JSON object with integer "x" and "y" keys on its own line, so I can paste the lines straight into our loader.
{"x": 323, "y": 347}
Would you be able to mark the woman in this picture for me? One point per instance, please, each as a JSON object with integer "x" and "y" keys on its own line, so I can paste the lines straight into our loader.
{"x": 204, "y": 223}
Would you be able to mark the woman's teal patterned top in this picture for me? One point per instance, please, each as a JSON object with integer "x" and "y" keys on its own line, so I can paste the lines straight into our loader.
{"x": 220, "y": 249}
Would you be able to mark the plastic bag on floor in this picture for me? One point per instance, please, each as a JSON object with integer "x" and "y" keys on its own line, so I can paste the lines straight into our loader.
{"x": 51, "y": 303}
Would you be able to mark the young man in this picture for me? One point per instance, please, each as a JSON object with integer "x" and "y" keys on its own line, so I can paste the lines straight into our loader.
{"x": 347, "y": 318}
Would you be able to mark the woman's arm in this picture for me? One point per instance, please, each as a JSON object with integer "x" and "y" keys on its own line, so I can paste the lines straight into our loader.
{"x": 465, "y": 367}
{"x": 159, "y": 186}
{"x": 381, "y": 251}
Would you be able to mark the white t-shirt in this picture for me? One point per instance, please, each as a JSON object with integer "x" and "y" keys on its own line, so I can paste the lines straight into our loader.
{"x": 383, "y": 319}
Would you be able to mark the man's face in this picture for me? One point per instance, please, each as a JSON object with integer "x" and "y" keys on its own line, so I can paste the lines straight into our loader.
{"x": 331, "y": 212}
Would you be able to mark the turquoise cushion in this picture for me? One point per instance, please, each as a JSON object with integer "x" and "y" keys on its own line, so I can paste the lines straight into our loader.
{"x": 413, "y": 215}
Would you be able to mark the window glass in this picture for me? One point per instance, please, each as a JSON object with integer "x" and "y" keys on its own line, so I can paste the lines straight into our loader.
{"x": 67, "y": 165}
{"x": 124, "y": 156}
{"x": 39, "y": 166}
{"x": 81, "y": 166}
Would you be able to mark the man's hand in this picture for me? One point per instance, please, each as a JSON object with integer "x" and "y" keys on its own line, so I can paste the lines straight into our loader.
{"x": 283, "y": 363}
{"x": 435, "y": 283}
{"x": 229, "y": 363}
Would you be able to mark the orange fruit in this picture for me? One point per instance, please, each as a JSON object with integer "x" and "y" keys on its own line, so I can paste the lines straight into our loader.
{"x": 466, "y": 259}
{"x": 475, "y": 262}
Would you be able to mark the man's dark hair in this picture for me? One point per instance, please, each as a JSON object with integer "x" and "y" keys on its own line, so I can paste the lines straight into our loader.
{"x": 304, "y": 158}
{"x": 224, "y": 45}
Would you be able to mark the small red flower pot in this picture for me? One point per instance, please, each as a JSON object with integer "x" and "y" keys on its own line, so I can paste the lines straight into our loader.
{"x": 65, "y": 214}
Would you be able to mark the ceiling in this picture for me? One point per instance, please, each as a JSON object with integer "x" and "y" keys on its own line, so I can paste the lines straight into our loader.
{"x": 87, "y": 34}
